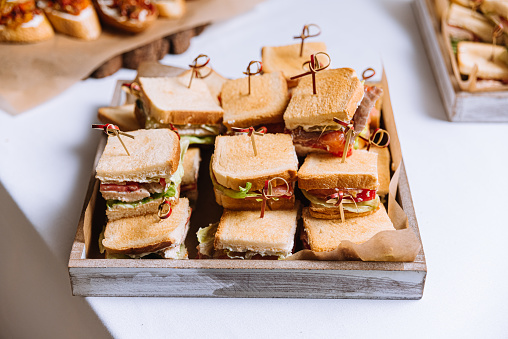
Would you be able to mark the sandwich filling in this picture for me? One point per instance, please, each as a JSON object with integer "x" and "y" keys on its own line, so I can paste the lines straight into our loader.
{"x": 352, "y": 199}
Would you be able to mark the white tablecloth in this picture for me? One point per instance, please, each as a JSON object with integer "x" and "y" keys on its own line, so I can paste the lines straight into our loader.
{"x": 457, "y": 174}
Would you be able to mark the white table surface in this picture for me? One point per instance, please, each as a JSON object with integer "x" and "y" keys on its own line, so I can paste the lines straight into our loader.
{"x": 457, "y": 174}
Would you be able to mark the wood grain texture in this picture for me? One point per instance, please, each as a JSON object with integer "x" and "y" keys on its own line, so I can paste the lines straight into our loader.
{"x": 459, "y": 105}
{"x": 92, "y": 276}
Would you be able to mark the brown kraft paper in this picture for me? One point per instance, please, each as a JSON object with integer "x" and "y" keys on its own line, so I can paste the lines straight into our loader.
{"x": 31, "y": 74}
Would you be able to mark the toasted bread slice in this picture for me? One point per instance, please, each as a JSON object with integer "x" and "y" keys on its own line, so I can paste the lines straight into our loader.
{"x": 169, "y": 100}
{"x": 122, "y": 116}
{"x": 339, "y": 92}
{"x": 242, "y": 231}
{"x": 191, "y": 161}
{"x": 153, "y": 154}
{"x": 325, "y": 171}
{"x": 462, "y": 17}
{"x": 147, "y": 233}
{"x": 171, "y": 9}
{"x": 470, "y": 54}
{"x": 287, "y": 59}
{"x": 234, "y": 163}
{"x": 383, "y": 169}
{"x": 326, "y": 235}
{"x": 214, "y": 81}
{"x": 124, "y": 211}
{"x": 251, "y": 204}
{"x": 36, "y": 30}
{"x": 84, "y": 26}
{"x": 265, "y": 104}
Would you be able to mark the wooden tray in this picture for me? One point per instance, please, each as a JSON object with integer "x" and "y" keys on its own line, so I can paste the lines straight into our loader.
{"x": 92, "y": 276}
{"x": 460, "y": 105}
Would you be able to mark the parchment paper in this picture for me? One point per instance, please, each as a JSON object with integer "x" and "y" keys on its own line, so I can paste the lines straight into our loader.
{"x": 34, "y": 73}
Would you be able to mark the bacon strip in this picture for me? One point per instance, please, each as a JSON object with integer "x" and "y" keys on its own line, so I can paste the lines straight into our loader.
{"x": 372, "y": 94}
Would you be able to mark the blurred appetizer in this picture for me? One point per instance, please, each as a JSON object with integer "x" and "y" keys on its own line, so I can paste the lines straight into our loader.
{"x": 171, "y": 9}
{"x": 22, "y": 22}
{"x": 488, "y": 62}
{"x": 76, "y": 18}
{"x": 133, "y": 16}
{"x": 122, "y": 116}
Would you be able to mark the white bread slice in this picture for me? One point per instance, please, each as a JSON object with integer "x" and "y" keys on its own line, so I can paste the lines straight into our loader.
{"x": 494, "y": 6}
{"x": 153, "y": 154}
{"x": 383, "y": 169}
{"x": 214, "y": 81}
{"x": 37, "y": 30}
{"x": 339, "y": 91}
{"x": 265, "y": 104}
{"x": 470, "y": 54}
{"x": 325, "y": 171}
{"x": 147, "y": 233}
{"x": 473, "y": 21}
{"x": 326, "y": 235}
{"x": 171, "y": 9}
{"x": 234, "y": 163}
{"x": 243, "y": 231}
{"x": 287, "y": 59}
{"x": 84, "y": 26}
{"x": 191, "y": 161}
{"x": 251, "y": 204}
{"x": 122, "y": 116}
{"x": 169, "y": 100}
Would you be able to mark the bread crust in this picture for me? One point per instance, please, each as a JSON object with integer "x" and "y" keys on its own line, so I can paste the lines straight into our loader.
{"x": 264, "y": 105}
{"x": 153, "y": 154}
{"x": 85, "y": 26}
{"x": 147, "y": 233}
{"x": 325, "y": 171}
{"x": 23, "y": 34}
{"x": 234, "y": 163}
{"x": 326, "y": 235}
{"x": 339, "y": 92}
{"x": 251, "y": 204}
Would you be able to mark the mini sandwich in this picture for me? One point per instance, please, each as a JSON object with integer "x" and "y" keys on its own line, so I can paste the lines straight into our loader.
{"x": 212, "y": 79}
{"x": 121, "y": 116}
{"x": 287, "y": 59}
{"x": 491, "y": 61}
{"x": 22, "y": 22}
{"x": 310, "y": 117}
{"x": 189, "y": 185}
{"x": 244, "y": 235}
{"x": 76, "y": 18}
{"x": 145, "y": 235}
{"x": 133, "y": 16}
{"x": 242, "y": 180}
{"x": 136, "y": 184}
{"x": 473, "y": 23}
{"x": 265, "y": 105}
{"x": 321, "y": 235}
{"x": 166, "y": 102}
{"x": 329, "y": 183}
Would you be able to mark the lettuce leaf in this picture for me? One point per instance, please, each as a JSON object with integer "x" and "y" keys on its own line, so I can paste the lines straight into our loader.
{"x": 194, "y": 140}
{"x": 242, "y": 193}
{"x": 169, "y": 193}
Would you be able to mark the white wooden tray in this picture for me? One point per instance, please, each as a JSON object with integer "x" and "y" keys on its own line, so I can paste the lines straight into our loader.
{"x": 459, "y": 105}
{"x": 91, "y": 275}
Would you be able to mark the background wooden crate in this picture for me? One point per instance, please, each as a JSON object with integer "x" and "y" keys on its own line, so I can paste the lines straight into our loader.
{"x": 459, "y": 105}
{"x": 93, "y": 276}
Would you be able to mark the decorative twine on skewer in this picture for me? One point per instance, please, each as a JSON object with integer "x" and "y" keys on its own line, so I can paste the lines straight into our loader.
{"x": 314, "y": 66}
{"x": 338, "y": 199}
{"x": 267, "y": 193}
{"x": 350, "y": 135}
{"x": 196, "y": 68}
{"x": 132, "y": 88}
{"x": 251, "y": 133}
{"x": 366, "y": 77}
{"x": 380, "y": 138}
{"x": 165, "y": 209}
{"x": 249, "y": 73}
{"x": 113, "y": 131}
{"x": 306, "y": 34}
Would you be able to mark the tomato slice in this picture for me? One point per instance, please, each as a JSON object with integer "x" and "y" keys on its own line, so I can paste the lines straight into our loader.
{"x": 334, "y": 142}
